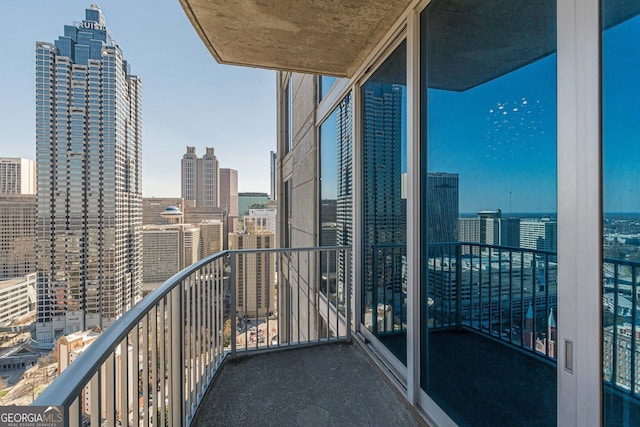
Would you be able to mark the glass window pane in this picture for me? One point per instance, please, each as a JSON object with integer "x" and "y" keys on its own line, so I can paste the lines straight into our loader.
{"x": 489, "y": 296}
{"x": 384, "y": 219}
{"x": 621, "y": 216}
{"x": 336, "y": 158}
{"x": 325, "y": 84}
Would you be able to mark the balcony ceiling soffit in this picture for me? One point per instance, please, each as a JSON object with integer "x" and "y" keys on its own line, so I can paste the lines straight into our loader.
{"x": 310, "y": 36}
{"x": 335, "y": 37}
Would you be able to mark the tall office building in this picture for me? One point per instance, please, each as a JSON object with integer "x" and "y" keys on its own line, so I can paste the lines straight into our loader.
{"x": 17, "y": 176}
{"x": 384, "y": 209}
{"x": 539, "y": 234}
{"x": 344, "y": 202}
{"x": 89, "y": 177}
{"x": 469, "y": 230}
{"x": 490, "y": 228}
{"x": 17, "y": 235}
{"x": 201, "y": 178}
{"x": 273, "y": 173}
{"x": 229, "y": 196}
{"x": 211, "y": 237}
{"x": 442, "y": 208}
{"x": 256, "y": 273}
{"x": 168, "y": 249}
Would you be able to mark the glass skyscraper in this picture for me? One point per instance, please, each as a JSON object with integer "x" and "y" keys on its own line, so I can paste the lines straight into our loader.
{"x": 89, "y": 183}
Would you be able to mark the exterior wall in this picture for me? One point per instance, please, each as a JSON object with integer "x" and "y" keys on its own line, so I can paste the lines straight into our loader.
{"x": 264, "y": 219}
{"x": 161, "y": 253}
{"x": 17, "y": 176}
{"x": 540, "y": 235}
{"x": 17, "y": 298}
{"x": 17, "y": 235}
{"x": 298, "y": 171}
{"x": 168, "y": 249}
{"x": 211, "y": 237}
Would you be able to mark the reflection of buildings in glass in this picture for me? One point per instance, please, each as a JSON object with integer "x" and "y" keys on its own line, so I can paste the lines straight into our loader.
{"x": 500, "y": 286}
{"x": 490, "y": 228}
{"x": 383, "y": 208}
{"x": 442, "y": 207}
{"x": 344, "y": 214}
{"x": 539, "y": 234}
{"x": 89, "y": 180}
{"x": 328, "y": 262}
{"x": 618, "y": 370}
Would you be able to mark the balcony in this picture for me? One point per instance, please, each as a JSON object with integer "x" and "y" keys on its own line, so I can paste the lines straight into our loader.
{"x": 289, "y": 334}
{"x": 288, "y": 353}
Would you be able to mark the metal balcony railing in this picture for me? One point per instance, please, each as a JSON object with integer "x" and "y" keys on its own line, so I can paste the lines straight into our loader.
{"x": 155, "y": 363}
{"x": 509, "y": 295}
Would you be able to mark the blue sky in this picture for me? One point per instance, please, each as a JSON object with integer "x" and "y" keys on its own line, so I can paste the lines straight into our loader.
{"x": 500, "y": 137}
{"x": 188, "y": 99}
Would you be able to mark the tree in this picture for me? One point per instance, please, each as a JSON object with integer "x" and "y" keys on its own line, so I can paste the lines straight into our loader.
{"x": 32, "y": 381}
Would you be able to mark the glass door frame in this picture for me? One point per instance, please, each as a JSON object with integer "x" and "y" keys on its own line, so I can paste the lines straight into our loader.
{"x": 579, "y": 210}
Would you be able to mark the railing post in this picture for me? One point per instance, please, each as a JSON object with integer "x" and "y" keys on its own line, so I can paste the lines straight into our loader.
{"x": 374, "y": 291}
{"x": 177, "y": 347}
{"x": 232, "y": 309}
{"x": 459, "y": 287}
{"x": 347, "y": 299}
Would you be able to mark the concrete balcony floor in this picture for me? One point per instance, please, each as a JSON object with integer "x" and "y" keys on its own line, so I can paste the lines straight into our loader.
{"x": 324, "y": 385}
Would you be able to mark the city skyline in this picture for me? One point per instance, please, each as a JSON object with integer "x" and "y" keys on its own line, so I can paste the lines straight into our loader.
{"x": 235, "y": 106}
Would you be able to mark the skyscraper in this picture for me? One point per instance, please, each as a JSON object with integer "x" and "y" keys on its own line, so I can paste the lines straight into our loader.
{"x": 17, "y": 176}
{"x": 442, "y": 208}
{"x": 255, "y": 273}
{"x": 384, "y": 209}
{"x": 229, "y": 197}
{"x": 201, "y": 178}
{"x": 344, "y": 202}
{"x": 539, "y": 234}
{"x": 88, "y": 138}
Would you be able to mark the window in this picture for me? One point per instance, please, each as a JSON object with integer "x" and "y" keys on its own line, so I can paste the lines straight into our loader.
{"x": 488, "y": 180}
{"x": 336, "y": 180}
{"x": 324, "y": 83}
{"x": 384, "y": 217}
{"x": 621, "y": 212}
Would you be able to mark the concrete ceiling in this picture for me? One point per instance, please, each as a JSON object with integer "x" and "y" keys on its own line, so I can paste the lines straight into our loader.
{"x": 469, "y": 41}
{"x": 329, "y": 37}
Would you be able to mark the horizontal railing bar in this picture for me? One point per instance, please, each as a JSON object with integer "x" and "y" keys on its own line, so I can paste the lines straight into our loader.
{"x": 80, "y": 372}
{"x": 71, "y": 382}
